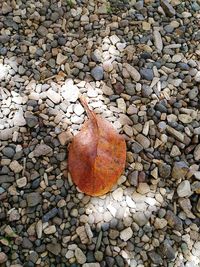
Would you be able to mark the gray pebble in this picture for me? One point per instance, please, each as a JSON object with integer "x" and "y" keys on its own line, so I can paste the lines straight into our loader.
{"x": 97, "y": 73}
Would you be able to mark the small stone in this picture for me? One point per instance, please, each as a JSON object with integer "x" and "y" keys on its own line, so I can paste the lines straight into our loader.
{"x": 14, "y": 215}
{"x": 143, "y": 188}
{"x": 61, "y": 59}
{"x": 197, "y": 152}
{"x": 94, "y": 264}
{"x": 42, "y": 150}
{"x": 180, "y": 169}
{"x": 147, "y": 74}
{"x": 18, "y": 119}
{"x": 97, "y": 73}
{"x": 6, "y": 8}
{"x": 185, "y": 204}
{"x": 146, "y": 90}
{"x": 160, "y": 223}
{"x": 82, "y": 234}
{"x": 70, "y": 92}
{"x": 80, "y": 256}
{"x": 121, "y": 104}
{"x": 8, "y": 152}
{"x": 174, "y": 221}
{"x": 50, "y": 214}
{"x": 184, "y": 189}
{"x": 126, "y": 234}
{"x": 168, "y": 8}
{"x": 135, "y": 75}
{"x": 15, "y": 167}
{"x": 198, "y": 205}
{"x": 92, "y": 93}
{"x": 179, "y": 136}
{"x": 107, "y": 90}
{"x": 133, "y": 178}
{"x": 42, "y": 31}
{"x": 175, "y": 151}
{"x": 146, "y": 26}
{"x": 79, "y": 50}
{"x": 65, "y": 137}
{"x": 177, "y": 58}
{"x": 140, "y": 218}
{"x": 167, "y": 250}
{"x": 197, "y": 77}
{"x": 193, "y": 93}
{"x": 143, "y": 141}
{"x": 54, "y": 248}
{"x": 50, "y": 230}
{"x": 3, "y": 257}
{"x": 33, "y": 199}
{"x": 53, "y": 96}
{"x": 38, "y": 229}
{"x": 21, "y": 182}
{"x": 98, "y": 255}
{"x": 158, "y": 40}
{"x": 31, "y": 120}
{"x": 118, "y": 194}
{"x": 184, "y": 118}
{"x": 155, "y": 258}
{"x": 107, "y": 66}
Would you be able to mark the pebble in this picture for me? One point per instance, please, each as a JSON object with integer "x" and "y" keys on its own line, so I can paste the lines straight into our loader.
{"x": 18, "y": 119}
{"x": 107, "y": 90}
{"x": 42, "y": 150}
{"x": 158, "y": 40}
{"x": 53, "y": 96}
{"x": 135, "y": 75}
{"x": 147, "y": 74}
{"x": 15, "y": 166}
{"x": 97, "y": 73}
{"x": 33, "y": 199}
{"x": 197, "y": 152}
{"x": 143, "y": 188}
{"x": 22, "y": 182}
{"x": 160, "y": 223}
{"x": 61, "y": 59}
{"x": 143, "y": 141}
{"x": 54, "y": 248}
{"x": 184, "y": 189}
{"x": 126, "y": 234}
{"x": 80, "y": 256}
{"x": 168, "y": 8}
{"x": 184, "y": 118}
{"x": 174, "y": 221}
{"x": 180, "y": 169}
{"x": 8, "y": 152}
{"x": 70, "y": 92}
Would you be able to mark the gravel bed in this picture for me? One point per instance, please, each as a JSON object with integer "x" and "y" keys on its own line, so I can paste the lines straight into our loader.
{"x": 137, "y": 63}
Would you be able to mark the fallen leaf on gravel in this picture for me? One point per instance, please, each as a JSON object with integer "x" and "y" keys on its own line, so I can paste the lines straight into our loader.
{"x": 97, "y": 155}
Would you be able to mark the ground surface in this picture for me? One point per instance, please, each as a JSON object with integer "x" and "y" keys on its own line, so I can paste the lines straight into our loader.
{"x": 138, "y": 66}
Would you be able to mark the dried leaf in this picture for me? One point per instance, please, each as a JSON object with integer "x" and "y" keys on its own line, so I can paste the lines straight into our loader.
{"x": 97, "y": 155}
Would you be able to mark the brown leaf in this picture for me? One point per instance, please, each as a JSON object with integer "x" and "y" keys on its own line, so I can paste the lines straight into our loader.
{"x": 97, "y": 155}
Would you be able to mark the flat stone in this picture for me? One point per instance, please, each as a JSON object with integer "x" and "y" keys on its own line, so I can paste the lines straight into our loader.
{"x": 50, "y": 230}
{"x": 197, "y": 77}
{"x": 168, "y": 8}
{"x": 65, "y": 137}
{"x": 42, "y": 150}
{"x": 80, "y": 256}
{"x": 135, "y": 75}
{"x": 118, "y": 194}
{"x": 175, "y": 151}
{"x": 184, "y": 118}
{"x": 140, "y": 218}
{"x": 179, "y": 136}
{"x": 16, "y": 167}
{"x": 126, "y": 234}
{"x": 53, "y": 96}
{"x": 14, "y": 215}
{"x": 54, "y": 248}
{"x": 186, "y": 206}
{"x": 193, "y": 93}
{"x": 143, "y": 141}
{"x": 197, "y": 152}
{"x": 8, "y": 152}
{"x": 94, "y": 264}
{"x": 107, "y": 90}
{"x": 21, "y": 182}
{"x": 33, "y": 199}
{"x": 158, "y": 40}
{"x": 61, "y": 59}
{"x": 143, "y": 188}
{"x": 184, "y": 189}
